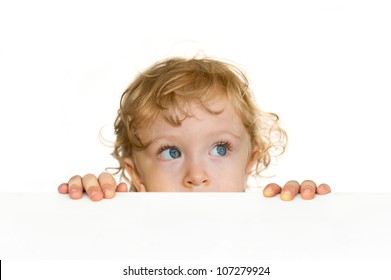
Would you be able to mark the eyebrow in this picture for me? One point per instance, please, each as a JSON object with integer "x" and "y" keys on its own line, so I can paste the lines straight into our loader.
{"x": 230, "y": 133}
{"x": 216, "y": 134}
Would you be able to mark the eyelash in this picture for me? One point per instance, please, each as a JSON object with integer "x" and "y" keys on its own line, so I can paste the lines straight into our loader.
{"x": 227, "y": 144}
{"x": 165, "y": 147}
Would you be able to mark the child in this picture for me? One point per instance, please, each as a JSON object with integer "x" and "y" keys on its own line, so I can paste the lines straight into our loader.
{"x": 191, "y": 125}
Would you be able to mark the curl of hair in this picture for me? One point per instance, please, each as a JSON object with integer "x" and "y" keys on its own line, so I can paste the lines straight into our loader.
{"x": 168, "y": 87}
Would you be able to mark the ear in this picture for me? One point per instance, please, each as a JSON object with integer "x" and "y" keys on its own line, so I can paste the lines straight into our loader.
{"x": 251, "y": 161}
{"x": 136, "y": 180}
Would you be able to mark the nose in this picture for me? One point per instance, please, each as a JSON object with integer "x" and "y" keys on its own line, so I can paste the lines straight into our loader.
{"x": 196, "y": 175}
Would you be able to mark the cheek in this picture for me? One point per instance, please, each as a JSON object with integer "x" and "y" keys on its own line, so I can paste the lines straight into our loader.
{"x": 228, "y": 175}
{"x": 160, "y": 178}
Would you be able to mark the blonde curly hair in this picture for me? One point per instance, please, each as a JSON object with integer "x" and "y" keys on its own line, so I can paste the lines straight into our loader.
{"x": 169, "y": 86}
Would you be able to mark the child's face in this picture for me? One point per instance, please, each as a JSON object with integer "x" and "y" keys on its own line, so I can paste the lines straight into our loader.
{"x": 206, "y": 153}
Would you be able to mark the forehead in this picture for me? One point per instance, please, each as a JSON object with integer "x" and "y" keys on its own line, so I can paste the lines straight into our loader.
{"x": 199, "y": 121}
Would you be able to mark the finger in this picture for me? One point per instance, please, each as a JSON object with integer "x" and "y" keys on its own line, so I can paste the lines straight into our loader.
{"x": 122, "y": 187}
{"x": 92, "y": 187}
{"x": 63, "y": 188}
{"x": 107, "y": 184}
{"x": 323, "y": 189}
{"x": 271, "y": 190}
{"x": 290, "y": 190}
{"x": 75, "y": 187}
{"x": 308, "y": 189}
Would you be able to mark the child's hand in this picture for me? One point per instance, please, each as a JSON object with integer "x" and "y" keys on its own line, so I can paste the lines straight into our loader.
{"x": 104, "y": 186}
{"x": 307, "y": 190}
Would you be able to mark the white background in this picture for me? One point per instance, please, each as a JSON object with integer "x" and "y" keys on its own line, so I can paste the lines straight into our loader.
{"x": 323, "y": 66}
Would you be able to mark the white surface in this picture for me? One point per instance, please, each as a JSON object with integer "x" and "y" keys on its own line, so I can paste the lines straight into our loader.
{"x": 323, "y": 66}
{"x": 196, "y": 226}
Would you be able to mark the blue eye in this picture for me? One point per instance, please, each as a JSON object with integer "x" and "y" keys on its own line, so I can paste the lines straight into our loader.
{"x": 170, "y": 153}
{"x": 219, "y": 150}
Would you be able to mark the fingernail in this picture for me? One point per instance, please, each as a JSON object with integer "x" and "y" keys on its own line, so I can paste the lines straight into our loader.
{"x": 268, "y": 190}
{"x": 307, "y": 191}
{"x": 93, "y": 193}
{"x": 73, "y": 190}
{"x": 286, "y": 195}
{"x": 108, "y": 193}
